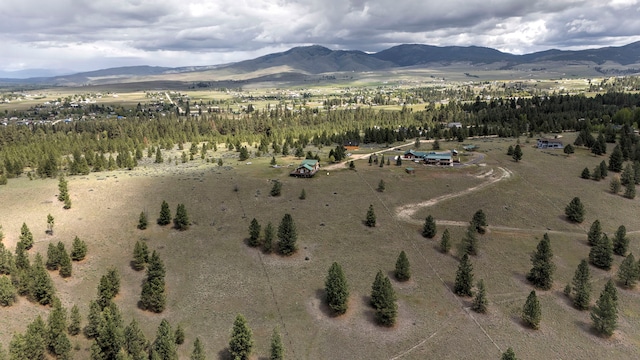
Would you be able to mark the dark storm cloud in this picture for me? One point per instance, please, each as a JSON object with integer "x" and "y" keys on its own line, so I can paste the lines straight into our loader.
{"x": 89, "y": 34}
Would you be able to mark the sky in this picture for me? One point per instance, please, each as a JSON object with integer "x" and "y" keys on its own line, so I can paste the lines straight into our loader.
{"x": 84, "y": 35}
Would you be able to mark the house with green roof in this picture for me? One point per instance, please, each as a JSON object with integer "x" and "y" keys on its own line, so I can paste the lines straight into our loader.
{"x": 307, "y": 168}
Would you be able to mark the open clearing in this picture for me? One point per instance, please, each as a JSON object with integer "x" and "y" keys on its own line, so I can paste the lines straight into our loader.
{"x": 212, "y": 275}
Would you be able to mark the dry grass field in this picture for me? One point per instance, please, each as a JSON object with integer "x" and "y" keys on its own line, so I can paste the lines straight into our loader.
{"x": 212, "y": 274}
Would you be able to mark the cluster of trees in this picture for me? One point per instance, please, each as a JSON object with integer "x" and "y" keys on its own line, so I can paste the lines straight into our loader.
{"x": 287, "y": 236}
{"x": 153, "y": 297}
{"x": 180, "y": 221}
{"x": 241, "y": 342}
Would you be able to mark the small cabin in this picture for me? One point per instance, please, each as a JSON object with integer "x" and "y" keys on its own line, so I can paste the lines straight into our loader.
{"x": 351, "y": 145}
{"x": 307, "y": 168}
{"x": 545, "y": 143}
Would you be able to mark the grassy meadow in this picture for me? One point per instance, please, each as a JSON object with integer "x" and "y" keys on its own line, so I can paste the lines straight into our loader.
{"x": 212, "y": 275}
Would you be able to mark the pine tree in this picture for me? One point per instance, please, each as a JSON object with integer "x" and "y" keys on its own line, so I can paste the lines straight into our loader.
{"x": 50, "y": 223}
{"x": 582, "y": 286}
{"x": 65, "y": 261}
{"x": 469, "y": 243}
{"x": 479, "y": 221}
{"x": 381, "y": 186}
{"x": 541, "y": 274}
{"x": 276, "y": 189}
{"x": 429, "y": 228}
{"x": 198, "y": 351}
{"x": 74, "y": 321}
{"x": 517, "y": 153}
{"x": 135, "y": 343}
{"x": 403, "y": 271}
{"x": 164, "y": 346}
{"x": 615, "y": 185}
{"x": 179, "y": 335}
{"x": 108, "y": 287}
{"x": 629, "y": 272}
{"x": 165, "y": 214}
{"x": 601, "y": 254}
{"x": 371, "y": 217}
{"x": 464, "y": 277}
{"x": 620, "y": 241}
{"x": 277, "y": 349}
{"x": 627, "y": 176}
{"x": 336, "y": 290}
{"x": 595, "y": 233}
{"x": 140, "y": 255}
{"x": 181, "y": 221}
{"x": 26, "y": 237}
{"x": 445, "y": 242}
{"x": 109, "y": 336}
{"x": 53, "y": 257}
{"x": 153, "y": 296}
{"x": 93, "y": 319}
{"x": 41, "y": 288}
{"x": 287, "y": 236}
{"x": 8, "y": 293}
{"x": 142, "y": 221}
{"x": 63, "y": 190}
{"x": 480, "y": 301}
{"x": 605, "y": 314}
{"x": 630, "y": 191}
{"x": 586, "y": 174}
{"x": 254, "y": 233}
{"x": 616, "y": 160}
{"x": 303, "y": 195}
{"x": 603, "y": 169}
{"x": 269, "y": 234}
{"x": 241, "y": 342}
{"x": 510, "y": 150}
{"x": 57, "y": 341}
{"x": 575, "y": 211}
{"x": 78, "y": 249}
{"x": 383, "y": 300}
{"x": 510, "y": 354}
{"x": 531, "y": 312}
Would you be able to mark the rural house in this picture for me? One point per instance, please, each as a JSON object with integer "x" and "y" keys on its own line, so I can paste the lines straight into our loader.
{"x": 444, "y": 158}
{"x": 307, "y": 168}
{"x": 351, "y": 145}
{"x": 545, "y": 143}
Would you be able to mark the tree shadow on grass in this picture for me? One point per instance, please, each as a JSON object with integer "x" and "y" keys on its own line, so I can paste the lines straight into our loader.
{"x": 224, "y": 354}
{"x": 322, "y": 304}
{"x": 522, "y": 278}
{"x": 369, "y": 312}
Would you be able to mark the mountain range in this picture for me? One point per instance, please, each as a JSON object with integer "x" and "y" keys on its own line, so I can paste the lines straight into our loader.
{"x": 315, "y": 60}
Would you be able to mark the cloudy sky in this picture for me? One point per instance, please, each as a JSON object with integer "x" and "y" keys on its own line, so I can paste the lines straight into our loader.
{"x": 81, "y": 35}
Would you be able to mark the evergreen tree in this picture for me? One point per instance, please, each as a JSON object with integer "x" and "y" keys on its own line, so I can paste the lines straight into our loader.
{"x": 53, "y": 257}
{"x": 480, "y": 301}
{"x": 469, "y": 243}
{"x": 57, "y": 341}
{"x": 74, "y": 321}
{"x": 371, "y": 217}
{"x": 93, "y": 319}
{"x": 179, "y": 335}
{"x": 269, "y": 234}
{"x": 277, "y": 349}
{"x": 153, "y": 296}
{"x": 140, "y": 255}
{"x": 597, "y": 173}
{"x": 595, "y": 233}
{"x": 510, "y": 354}
{"x": 510, "y": 150}
{"x": 78, "y": 249}
{"x": 67, "y": 203}
{"x": 403, "y": 271}
{"x": 241, "y": 342}
{"x": 429, "y": 228}
{"x": 399, "y": 160}
{"x": 181, "y": 221}
{"x": 109, "y": 336}
{"x": 26, "y": 237}
{"x": 531, "y": 312}
{"x": 142, "y": 221}
{"x": 479, "y": 221}
{"x": 605, "y": 314}
{"x": 620, "y": 241}
{"x": 629, "y": 271}
{"x": 65, "y": 261}
{"x": 627, "y": 176}
{"x": 616, "y": 160}
{"x": 108, "y": 287}
{"x": 601, "y": 254}
{"x": 586, "y": 174}
{"x": 287, "y": 236}
{"x": 303, "y": 195}
{"x": 8, "y": 293}
{"x": 50, "y": 223}
{"x": 575, "y": 211}
{"x": 273, "y": 161}
{"x": 198, "y": 351}
{"x": 630, "y": 191}
{"x": 445, "y": 242}
{"x": 464, "y": 277}
{"x": 254, "y": 233}
{"x": 569, "y": 149}
{"x": 541, "y": 274}
{"x": 615, "y": 185}
{"x": 582, "y": 286}
{"x": 336, "y": 289}
{"x": 517, "y": 153}
{"x": 381, "y": 186}
{"x": 41, "y": 288}
{"x": 386, "y": 308}
{"x": 603, "y": 169}
{"x": 276, "y": 189}
{"x": 165, "y": 214}
{"x": 164, "y": 346}
{"x": 22, "y": 258}
{"x": 31, "y": 345}
{"x": 135, "y": 343}
{"x": 63, "y": 190}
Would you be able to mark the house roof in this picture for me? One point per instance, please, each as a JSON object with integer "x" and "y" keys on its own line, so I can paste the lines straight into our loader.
{"x": 439, "y": 156}
{"x": 309, "y": 162}
{"x": 550, "y": 140}
{"x": 310, "y": 168}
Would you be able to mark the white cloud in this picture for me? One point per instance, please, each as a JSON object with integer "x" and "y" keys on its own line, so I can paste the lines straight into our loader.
{"x": 89, "y": 34}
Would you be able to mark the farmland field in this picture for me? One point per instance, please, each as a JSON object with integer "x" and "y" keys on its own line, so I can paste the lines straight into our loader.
{"x": 212, "y": 275}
